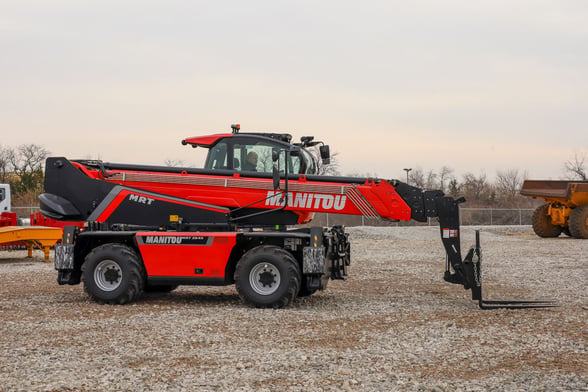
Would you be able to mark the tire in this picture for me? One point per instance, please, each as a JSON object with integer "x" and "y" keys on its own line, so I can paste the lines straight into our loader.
{"x": 542, "y": 223}
{"x": 113, "y": 274}
{"x": 267, "y": 277}
{"x": 578, "y": 222}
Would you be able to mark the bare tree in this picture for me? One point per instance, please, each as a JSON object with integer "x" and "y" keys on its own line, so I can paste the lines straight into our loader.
{"x": 417, "y": 177}
{"x": 454, "y": 187}
{"x": 26, "y": 161}
{"x": 445, "y": 177}
{"x": 174, "y": 162}
{"x": 331, "y": 169}
{"x": 431, "y": 182}
{"x": 509, "y": 182}
{"x": 5, "y": 168}
{"x": 508, "y": 186}
{"x": 362, "y": 174}
{"x": 576, "y": 166}
{"x": 477, "y": 190}
{"x": 430, "y": 179}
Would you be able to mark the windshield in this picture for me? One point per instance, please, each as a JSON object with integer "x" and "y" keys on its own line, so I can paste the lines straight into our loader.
{"x": 254, "y": 155}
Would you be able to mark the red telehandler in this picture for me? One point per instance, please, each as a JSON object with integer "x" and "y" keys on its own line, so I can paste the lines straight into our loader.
{"x": 152, "y": 228}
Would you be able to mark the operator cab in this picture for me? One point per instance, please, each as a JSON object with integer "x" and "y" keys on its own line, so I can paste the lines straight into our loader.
{"x": 255, "y": 152}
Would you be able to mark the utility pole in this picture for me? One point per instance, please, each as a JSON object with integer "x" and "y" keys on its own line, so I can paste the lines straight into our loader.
{"x": 407, "y": 170}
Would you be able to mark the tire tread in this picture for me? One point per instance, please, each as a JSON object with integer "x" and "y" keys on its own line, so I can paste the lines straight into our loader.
{"x": 542, "y": 223}
{"x": 136, "y": 273}
{"x": 293, "y": 275}
{"x": 577, "y": 222}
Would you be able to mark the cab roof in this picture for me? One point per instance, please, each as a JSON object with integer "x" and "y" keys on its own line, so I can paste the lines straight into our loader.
{"x": 205, "y": 141}
{"x": 210, "y": 140}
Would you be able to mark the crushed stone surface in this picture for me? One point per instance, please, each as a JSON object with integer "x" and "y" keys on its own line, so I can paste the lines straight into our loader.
{"x": 394, "y": 325}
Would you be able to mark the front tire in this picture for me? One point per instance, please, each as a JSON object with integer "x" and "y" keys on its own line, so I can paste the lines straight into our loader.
{"x": 113, "y": 274}
{"x": 542, "y": 223}
{"x": 267, "y": 277}
{"x": 578, "y": 222}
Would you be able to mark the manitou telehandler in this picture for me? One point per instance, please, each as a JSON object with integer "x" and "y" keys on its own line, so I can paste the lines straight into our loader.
{"x": 152, "y": 228}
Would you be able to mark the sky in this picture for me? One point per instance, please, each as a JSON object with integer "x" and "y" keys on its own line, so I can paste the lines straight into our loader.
{"x": 477, "y": 86}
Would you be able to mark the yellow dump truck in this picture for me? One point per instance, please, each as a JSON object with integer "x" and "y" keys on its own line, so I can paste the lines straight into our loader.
{"x": 566, "y": 208}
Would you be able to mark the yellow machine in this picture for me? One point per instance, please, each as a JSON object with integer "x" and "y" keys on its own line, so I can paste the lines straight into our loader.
{"x": 41, "y": 237}
{"x": 566, "y": 209}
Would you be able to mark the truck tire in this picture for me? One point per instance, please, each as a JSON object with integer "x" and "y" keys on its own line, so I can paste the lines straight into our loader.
{"x": 542, "y": 223}
{"x": 267, "y": 277}
{"x": 578, "y": 222}
{"x": 113, "y": 274}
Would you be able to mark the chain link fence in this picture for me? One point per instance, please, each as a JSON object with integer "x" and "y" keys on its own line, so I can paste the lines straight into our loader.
{"x": 468, "y": 217}
{"x": 24, "y": 212}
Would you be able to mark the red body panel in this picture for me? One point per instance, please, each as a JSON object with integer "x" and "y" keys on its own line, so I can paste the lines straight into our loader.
{"x": 206, "y": 141}
{"x": 171, "y": 254}
{"x": 373, "y": 199}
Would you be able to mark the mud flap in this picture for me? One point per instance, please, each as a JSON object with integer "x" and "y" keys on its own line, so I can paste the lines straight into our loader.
{"x": 64, "y": 258}
{"x": 315, "y": 267}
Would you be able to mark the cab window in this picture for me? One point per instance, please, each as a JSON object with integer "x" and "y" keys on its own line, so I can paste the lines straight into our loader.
{"x": 217, "y": 157}
{"x": 249, "y": 154}
{"x": 255, "y": 157}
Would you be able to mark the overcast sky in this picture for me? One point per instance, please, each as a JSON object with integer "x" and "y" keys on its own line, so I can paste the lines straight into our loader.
{"x": 477, "y": 86}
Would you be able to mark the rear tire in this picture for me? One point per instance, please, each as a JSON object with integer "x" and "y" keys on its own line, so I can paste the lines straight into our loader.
{"x": 578, "y": 222}
{"x": 542, "y": 223}
{"x": 267, "y": 277}
{"x": 113, "y": 274}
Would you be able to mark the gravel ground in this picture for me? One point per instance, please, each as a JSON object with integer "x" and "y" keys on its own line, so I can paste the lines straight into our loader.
{"x": 393, "y": 325}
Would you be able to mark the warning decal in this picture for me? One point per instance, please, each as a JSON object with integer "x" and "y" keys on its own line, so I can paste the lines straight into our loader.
{"x": 450, "y": 233}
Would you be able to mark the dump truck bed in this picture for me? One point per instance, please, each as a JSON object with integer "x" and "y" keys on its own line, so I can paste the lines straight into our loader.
{"x": 569, "y": 193}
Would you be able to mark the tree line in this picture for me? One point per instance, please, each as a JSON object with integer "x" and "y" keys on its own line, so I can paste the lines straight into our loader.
{"x": 480, "y": 192}
{"x": 22, "y": 168}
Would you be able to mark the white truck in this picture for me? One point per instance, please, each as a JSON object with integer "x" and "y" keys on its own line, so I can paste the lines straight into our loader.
{"x": 4, "y": 198}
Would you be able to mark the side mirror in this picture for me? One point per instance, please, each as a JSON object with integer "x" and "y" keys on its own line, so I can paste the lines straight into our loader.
{"x": 325, "y": 154}
{"x": 276, "y": 176}
{"x": 275, "y": 155}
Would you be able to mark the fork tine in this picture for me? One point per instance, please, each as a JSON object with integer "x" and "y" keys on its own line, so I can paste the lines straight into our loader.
{"x": 488, "y": 305}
